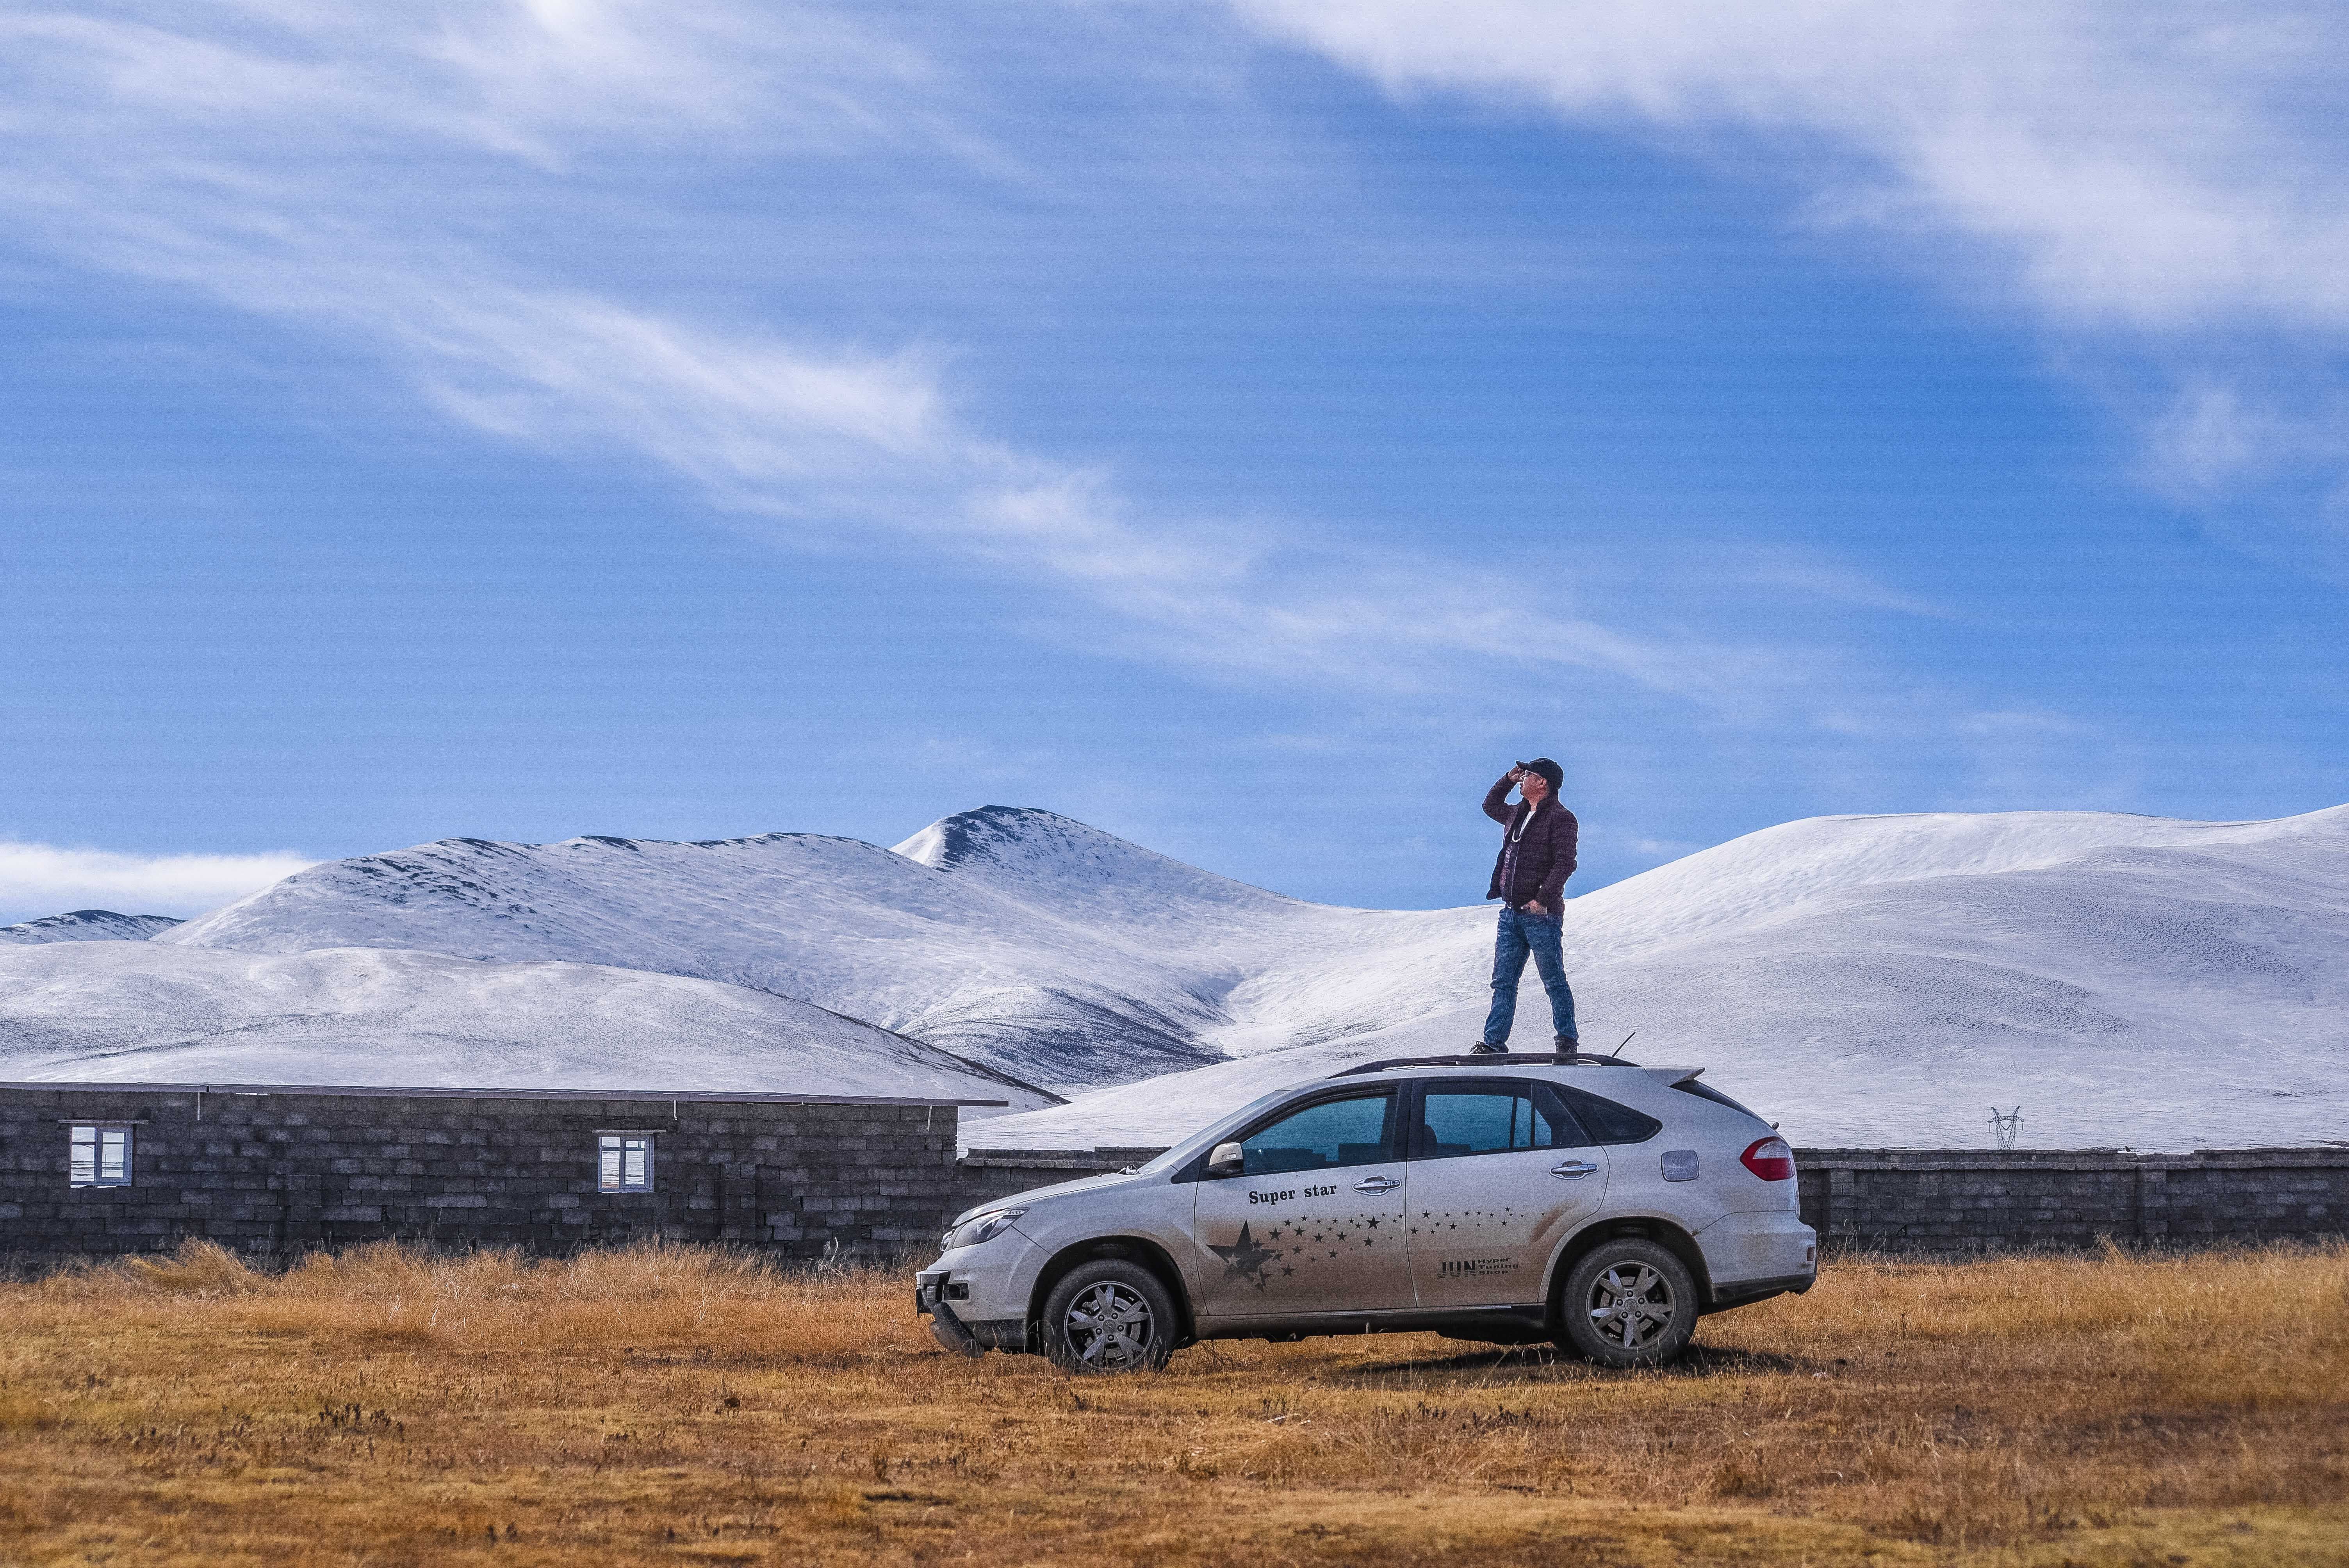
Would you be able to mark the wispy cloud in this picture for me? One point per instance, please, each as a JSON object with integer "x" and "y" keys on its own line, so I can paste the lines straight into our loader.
{"x": 2142, "y": 164}
{"x": 968, "y": 757}
{"x": 2154, "y": 175}
{"x": 429, "y": 187}
{"x": 1828, "y": 579}
{"x": 39, "y": 879}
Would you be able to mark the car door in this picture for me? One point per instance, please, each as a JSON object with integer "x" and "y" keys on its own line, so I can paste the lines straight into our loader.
{"x": 1500, "y": 1173}
{"x": 1314, "y": 1223}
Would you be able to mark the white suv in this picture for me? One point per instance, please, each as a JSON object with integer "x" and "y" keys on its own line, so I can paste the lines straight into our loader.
{"x": 1507, "y": 1199}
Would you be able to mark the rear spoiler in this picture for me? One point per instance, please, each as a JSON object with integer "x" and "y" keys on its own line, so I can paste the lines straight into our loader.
{"x": 1684, "y": 1079}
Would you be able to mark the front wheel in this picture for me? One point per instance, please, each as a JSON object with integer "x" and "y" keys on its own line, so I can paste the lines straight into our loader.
{"x": 1109, "y": 1316}
{"x": 1629, "y": 1303}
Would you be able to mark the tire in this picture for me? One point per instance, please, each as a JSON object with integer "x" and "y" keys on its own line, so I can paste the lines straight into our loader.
{"x": 1109, "y": 1316}
{"x": 1627, "y": 1302}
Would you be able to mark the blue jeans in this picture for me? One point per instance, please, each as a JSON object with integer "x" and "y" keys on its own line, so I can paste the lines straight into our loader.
{"x": 1521, "y": 935}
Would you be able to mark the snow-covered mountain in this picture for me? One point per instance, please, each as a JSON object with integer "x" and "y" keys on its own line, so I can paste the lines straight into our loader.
{"x": 1868, "y": 980}
{"x": 2129, "y": 980}
{"x": 121, "y": 1012}
{"x": 1009, "y": 936}
{"x": 89, "y": 925}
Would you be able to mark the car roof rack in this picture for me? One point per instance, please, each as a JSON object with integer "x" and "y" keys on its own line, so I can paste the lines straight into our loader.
{"x": 1492, "y": 1059}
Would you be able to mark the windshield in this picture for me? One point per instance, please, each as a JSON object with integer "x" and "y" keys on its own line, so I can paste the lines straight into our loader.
{"x": 1205, "y": 1137}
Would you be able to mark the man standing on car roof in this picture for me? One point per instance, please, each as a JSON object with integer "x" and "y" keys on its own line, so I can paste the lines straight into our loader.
{"x": 1536, "y": 856}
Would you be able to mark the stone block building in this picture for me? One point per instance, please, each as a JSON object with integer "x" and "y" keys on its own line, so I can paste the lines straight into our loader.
{"x": 274, "y": 1170}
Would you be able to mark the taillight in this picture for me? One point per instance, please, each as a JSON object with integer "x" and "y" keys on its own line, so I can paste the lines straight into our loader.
{"x": 1769, "y": 1159}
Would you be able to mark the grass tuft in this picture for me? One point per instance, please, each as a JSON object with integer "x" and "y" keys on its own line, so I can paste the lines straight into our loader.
{"x": 198, "y": 1267}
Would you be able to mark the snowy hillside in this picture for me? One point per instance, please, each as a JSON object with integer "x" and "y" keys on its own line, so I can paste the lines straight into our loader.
{"x": 115, "y": 1011}
{"x": 1009, "y": 936}
{"x": 89, "y": 925}
{"x": 2127, "y": 980}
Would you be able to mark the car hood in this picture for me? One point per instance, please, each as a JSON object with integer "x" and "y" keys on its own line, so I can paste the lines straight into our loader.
{"x": 1035, "y": 1195}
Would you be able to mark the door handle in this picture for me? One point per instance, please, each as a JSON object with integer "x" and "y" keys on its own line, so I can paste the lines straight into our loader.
{"x": 1377, "y": 1184}
{"x": 1572, "y": 1170}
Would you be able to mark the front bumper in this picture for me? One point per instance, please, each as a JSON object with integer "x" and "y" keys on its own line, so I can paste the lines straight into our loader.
{"x": 945, "y": 1301}
{"x": 930, "y": 1288}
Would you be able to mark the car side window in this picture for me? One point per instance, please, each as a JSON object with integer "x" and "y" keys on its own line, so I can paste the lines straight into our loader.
{"x": 1489, "y": 1117}
{"x": 1356, "y": 1131}
{"x": 1609, "y": 1122}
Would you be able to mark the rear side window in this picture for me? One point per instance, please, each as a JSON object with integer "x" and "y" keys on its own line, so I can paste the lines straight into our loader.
{"x": 1609, "y": 1122}
{"x": 1489, "y": 1117}
{"x": 1356, "y": 1131}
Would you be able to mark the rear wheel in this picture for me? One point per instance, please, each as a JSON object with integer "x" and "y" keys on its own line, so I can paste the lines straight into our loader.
{"x": 1629, "y": 1303}
{"x": 1109, "y": 1316}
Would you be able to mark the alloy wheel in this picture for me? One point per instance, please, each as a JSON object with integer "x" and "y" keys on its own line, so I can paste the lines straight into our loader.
{"x": 1632, "y": 1307}
{"x": 1108, "y": 1327}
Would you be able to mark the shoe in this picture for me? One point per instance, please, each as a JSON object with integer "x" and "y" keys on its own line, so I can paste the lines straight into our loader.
{"x": 1487, "y": 1048}
{"x": 1567, "y": 1045}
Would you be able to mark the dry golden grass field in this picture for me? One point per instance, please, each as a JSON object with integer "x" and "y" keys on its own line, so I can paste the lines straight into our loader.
{"x": 683, "y": 1406}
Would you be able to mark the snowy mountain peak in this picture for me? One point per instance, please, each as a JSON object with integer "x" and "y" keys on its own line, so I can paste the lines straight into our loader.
{"x": 1041, "y": 853}
{"x": 998, "y": 833}
{"x": 1047, "y": 941}
{"x": 89, "y": 925}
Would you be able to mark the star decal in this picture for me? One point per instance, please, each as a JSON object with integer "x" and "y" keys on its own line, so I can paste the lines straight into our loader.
{"x": 1247, "y": 1259}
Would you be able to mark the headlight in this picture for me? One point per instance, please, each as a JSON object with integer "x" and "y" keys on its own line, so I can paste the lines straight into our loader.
{"x": 984, "y": 1228}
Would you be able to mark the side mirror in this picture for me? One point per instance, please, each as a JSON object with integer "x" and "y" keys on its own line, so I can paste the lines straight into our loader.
{"x": 1228, "y": 1159}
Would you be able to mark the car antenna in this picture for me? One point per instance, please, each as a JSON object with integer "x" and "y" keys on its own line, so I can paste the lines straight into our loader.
{"x": 1627, "y": 1040}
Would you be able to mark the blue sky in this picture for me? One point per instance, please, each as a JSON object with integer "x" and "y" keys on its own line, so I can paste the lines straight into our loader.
{"x": 1245, "y": 427}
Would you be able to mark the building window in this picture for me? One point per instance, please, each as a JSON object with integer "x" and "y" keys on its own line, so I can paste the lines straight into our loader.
{"x": 624, "y": 1163}
{"x": 101, "y": 1155}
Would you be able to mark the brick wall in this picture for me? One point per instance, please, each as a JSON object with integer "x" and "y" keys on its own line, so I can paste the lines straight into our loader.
{"x": 1951, "y": 1201}
{"x": 1968, "y": 1200}
{"x": 276, "y": 1171}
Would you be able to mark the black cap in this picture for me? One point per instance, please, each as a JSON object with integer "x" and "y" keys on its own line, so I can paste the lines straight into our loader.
{"x": 1549, "y": 771}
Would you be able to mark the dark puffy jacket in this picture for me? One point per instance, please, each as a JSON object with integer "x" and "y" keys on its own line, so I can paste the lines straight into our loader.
{"x": 1545, "y": 855}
